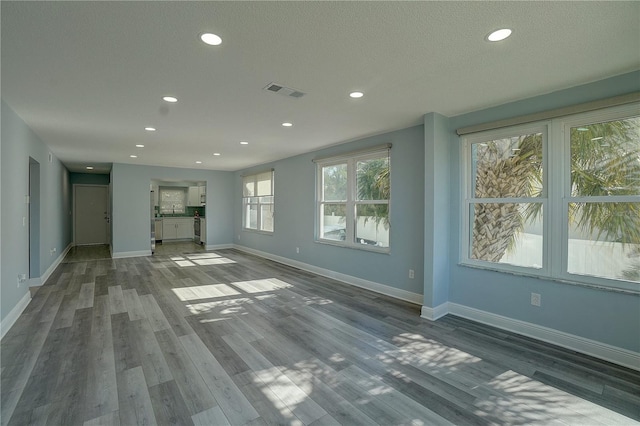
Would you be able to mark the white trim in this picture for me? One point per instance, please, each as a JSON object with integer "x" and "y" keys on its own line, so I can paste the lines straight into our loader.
{"x": 620, "y": 356}
{"x": 44, "y": 277}
{"x": 344, "y": 278}
{"x": 433, "y": 314}
{"x": 123, "y": 254}
{"x": 219, "y": 246}
{"x": 13, "y": 316}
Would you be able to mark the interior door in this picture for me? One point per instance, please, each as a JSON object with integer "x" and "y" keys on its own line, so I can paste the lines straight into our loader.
{"x": 91, "y": 214}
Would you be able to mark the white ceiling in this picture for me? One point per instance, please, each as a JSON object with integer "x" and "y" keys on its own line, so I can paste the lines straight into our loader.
{"x": 87, "y": 77}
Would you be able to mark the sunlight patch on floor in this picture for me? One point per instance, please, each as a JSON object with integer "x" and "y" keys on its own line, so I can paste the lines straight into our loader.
{"x": 201, "y": 259}
{"x": 206, "y": 307}
{"x": 421, "y": 352}
{"x": 258, "y": 286}
{"x": 215, "y": 261}
{"x": 526, "y": 399}
{"x": 202, "y": 256}
{"x": 204, "y": 292}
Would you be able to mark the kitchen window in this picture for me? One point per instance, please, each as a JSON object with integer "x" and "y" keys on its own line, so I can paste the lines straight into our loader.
{"x": 172, "y": 200}
{"x": 353, "y": 199}
{"x": 558, "y": 199}
{"x": 258, "y": 202}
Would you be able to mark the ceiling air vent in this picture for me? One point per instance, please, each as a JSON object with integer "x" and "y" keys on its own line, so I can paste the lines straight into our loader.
{"x": 284, "y": 91}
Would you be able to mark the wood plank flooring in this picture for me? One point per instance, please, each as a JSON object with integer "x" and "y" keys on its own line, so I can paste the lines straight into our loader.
{"x": 226, "y": 338}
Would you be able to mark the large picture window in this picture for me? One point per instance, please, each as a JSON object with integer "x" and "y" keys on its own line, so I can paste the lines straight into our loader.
{"x": 564, "y": 206}
{"x": 354, "y": 193}
{"x": 258, "y": 201}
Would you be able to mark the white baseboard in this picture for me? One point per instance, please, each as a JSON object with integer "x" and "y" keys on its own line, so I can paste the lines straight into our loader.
{"x": 123, "y": 254}
{"x": 44, "y": 277}
{"x": 347, "y": 279}
{"x": 14, "y": 314}
{"x": 433, "y": 314}
{"x": 600, "y": 350}
{"x": 219, "y": 246}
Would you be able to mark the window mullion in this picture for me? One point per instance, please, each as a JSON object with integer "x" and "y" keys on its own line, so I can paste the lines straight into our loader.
{"x": 351, "y": 197}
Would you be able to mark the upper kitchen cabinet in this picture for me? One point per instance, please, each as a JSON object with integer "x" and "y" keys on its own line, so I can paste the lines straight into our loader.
{"x": 193, "y": 197}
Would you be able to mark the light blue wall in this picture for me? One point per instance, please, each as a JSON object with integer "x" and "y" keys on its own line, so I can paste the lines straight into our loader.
{"x": 604, "y": 316}
{"x": 294, "y": 222}
{"x": 18, "y": 144}
{"x": 436, "y": 210}
{"x": 131, "y": 204}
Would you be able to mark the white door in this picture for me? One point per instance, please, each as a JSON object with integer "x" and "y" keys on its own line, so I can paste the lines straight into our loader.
{"x": 91, "y": 213}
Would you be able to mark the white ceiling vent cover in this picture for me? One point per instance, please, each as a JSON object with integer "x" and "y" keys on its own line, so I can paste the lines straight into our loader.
{"x": 283, "y": 90}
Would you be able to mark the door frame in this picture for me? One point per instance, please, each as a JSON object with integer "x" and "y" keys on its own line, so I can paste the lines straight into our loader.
{"x": 75, "y": 185}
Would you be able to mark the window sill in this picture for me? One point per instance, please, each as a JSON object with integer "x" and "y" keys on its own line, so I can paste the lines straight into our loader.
{"x": 362, "y": 247}
{"x": 566, "y": 281}
{"x": 255, "y": 231}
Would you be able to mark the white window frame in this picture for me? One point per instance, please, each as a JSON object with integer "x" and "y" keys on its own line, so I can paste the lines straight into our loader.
{"x": 352, "y": 201}
{"x": 247, "y": 200}
{"x": 563, "y": 128}
{"x": 557, "y": 184}
{"x": 469, "y": 200}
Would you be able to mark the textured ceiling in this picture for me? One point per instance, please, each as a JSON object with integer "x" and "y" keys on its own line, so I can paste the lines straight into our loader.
{"x": 87, "y": 77}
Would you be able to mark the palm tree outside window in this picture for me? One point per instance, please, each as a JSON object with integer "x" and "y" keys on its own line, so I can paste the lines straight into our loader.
{"x": 575, "y": 195}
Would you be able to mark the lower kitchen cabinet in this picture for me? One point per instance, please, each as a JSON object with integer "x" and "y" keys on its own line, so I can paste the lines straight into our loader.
{"x": 158, "y": 229}
{"x": 177, "y": 228}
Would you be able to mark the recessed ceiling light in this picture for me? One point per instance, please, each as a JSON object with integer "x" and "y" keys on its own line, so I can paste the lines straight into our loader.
{"x": 170, "y": 99}
{"x": 89, "y": 168}
{"x": 582, "y": 129}
{"x": 139, "y": 146}
{"x": 287, "y": 124}
{"x": 244, "y": 143}
{"x": 211, "y": 39}
{"x": 500, "y": 34}
{"x": 597, "y": 139}
{"x": 198, "y": 162}
{"x": 150, "y": 129}
{"x": 356, "y": 95}
{"x": 133, "y": 156}
{"x": 217, "y": 154}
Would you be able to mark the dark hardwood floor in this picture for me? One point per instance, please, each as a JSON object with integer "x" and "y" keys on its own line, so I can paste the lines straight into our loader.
{"x": 216, "y": 338}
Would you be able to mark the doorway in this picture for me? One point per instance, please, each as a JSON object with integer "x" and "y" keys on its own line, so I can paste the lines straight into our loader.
{"x": 91, "y": 214}
{"x": 34, "y": 218}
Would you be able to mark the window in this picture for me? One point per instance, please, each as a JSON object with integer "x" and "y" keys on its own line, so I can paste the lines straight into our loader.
{"x": 564, "y": 207}
{"x": 257, "y": 202}
{"x": 353, "y": 200}
{"x": 172, "y": 200}
{"x": 602, "y": 207}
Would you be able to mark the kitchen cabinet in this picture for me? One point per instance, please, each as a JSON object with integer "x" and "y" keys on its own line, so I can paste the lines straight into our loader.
{"x": 158, "y": 229}
{"x": 177, "y": 228}
{"x": 203, "y": 194}
{"x": 193, "y": 196}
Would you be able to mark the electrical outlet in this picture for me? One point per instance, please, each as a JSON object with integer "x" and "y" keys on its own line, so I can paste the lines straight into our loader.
{"x": 297, "y": 249}
{"x": 536, "y": 299}
{"x": 52, "y": 251}
{"x": 21, "y": 278}
{"x": 411, "y": 274}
